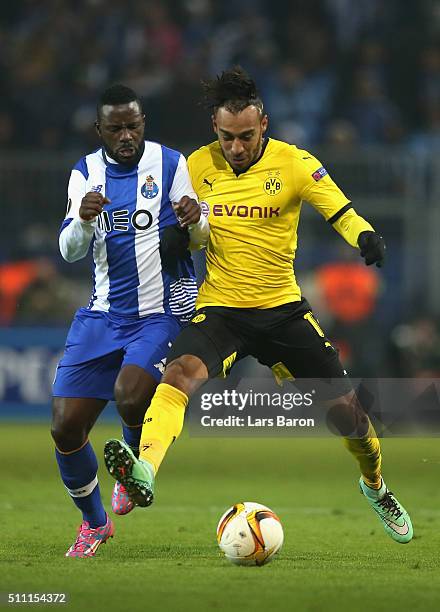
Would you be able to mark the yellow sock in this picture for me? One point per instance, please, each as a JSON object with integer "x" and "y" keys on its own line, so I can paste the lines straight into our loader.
{"x": 162, "y": 424}
{"x": 367, "y": 452}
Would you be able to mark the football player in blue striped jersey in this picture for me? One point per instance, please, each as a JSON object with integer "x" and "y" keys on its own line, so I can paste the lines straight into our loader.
{"x": 132, "y": 206}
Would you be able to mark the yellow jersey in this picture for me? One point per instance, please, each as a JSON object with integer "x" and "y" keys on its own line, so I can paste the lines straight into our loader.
{"x": 254, "y": 218}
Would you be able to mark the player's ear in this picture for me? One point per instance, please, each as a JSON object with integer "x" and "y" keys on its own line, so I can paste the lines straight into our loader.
{"x": 264, "y": 123}
{"x": 214, "y": 123}
{"x": 97, "y": 128}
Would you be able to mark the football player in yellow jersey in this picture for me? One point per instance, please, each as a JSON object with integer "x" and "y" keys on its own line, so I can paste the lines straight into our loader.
{"x": 253, "y": 187}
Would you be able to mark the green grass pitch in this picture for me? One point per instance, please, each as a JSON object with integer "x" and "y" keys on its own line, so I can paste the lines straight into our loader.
{"x": 336, "y": 555}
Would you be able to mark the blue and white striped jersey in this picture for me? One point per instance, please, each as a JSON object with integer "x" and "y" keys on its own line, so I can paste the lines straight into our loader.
{"x": 129, "y": 277}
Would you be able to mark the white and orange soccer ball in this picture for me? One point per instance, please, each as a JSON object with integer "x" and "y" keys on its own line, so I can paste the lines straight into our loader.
{"x": 249, "y": 534}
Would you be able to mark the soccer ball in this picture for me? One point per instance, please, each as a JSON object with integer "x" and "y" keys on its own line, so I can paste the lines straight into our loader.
{"x": 249, "y": 534}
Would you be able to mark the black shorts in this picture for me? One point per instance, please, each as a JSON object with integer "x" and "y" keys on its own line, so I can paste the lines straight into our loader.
{"x": 286, "y": 338}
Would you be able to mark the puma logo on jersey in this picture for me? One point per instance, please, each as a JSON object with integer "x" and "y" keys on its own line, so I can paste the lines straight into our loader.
{"x": 210, "y": 184}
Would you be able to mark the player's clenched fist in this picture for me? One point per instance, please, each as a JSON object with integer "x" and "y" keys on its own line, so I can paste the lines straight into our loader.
{"x": 187, "y": 211}
{"x": 372, "y": 247}
{"x": 92, "y": 205}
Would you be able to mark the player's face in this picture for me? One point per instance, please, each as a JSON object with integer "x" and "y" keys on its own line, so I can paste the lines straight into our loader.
{"x": 240, "y": 135}
{"x": 121, "y": 128}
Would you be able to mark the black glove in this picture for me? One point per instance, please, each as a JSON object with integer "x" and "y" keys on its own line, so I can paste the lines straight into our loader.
{"x": 372, "y": 247}
{"x": 174, "y": 242}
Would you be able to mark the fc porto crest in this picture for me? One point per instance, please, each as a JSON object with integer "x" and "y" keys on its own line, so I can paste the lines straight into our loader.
{"x": 149, "y": 189}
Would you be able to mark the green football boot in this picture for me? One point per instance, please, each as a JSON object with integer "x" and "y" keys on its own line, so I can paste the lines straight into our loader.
{"x": 395, "y": 519}
{"x": 136, "y": 475}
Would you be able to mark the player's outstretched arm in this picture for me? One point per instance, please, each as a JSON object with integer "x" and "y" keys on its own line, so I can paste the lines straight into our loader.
{"x": 76, "y": 236}
{"x": 317, "y": 187}
{"x": 359, "y": 233}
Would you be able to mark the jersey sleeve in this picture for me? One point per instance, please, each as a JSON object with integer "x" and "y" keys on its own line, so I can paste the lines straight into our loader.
{"x": 199, "y": 234}
{"x": 349, "y": 225}
{"x": 316, "y": 187}
{"x": 194, "y": 170}
{"x": 181, "y": 185}
{"x": 76, "y": 190}
{"x": 75, "y": 234}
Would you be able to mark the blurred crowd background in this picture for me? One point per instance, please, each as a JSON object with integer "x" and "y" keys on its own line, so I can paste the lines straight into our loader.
{"x": 365, "y": 71}
{"x": 356, "y": 81}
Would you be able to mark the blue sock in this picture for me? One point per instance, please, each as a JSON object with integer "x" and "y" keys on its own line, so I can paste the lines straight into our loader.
{"x": 132, "y": 436}
{"x": 78, "y": 471}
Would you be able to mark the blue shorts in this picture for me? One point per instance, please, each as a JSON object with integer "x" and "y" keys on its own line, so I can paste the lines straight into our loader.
{"x": 99, "y": 344}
